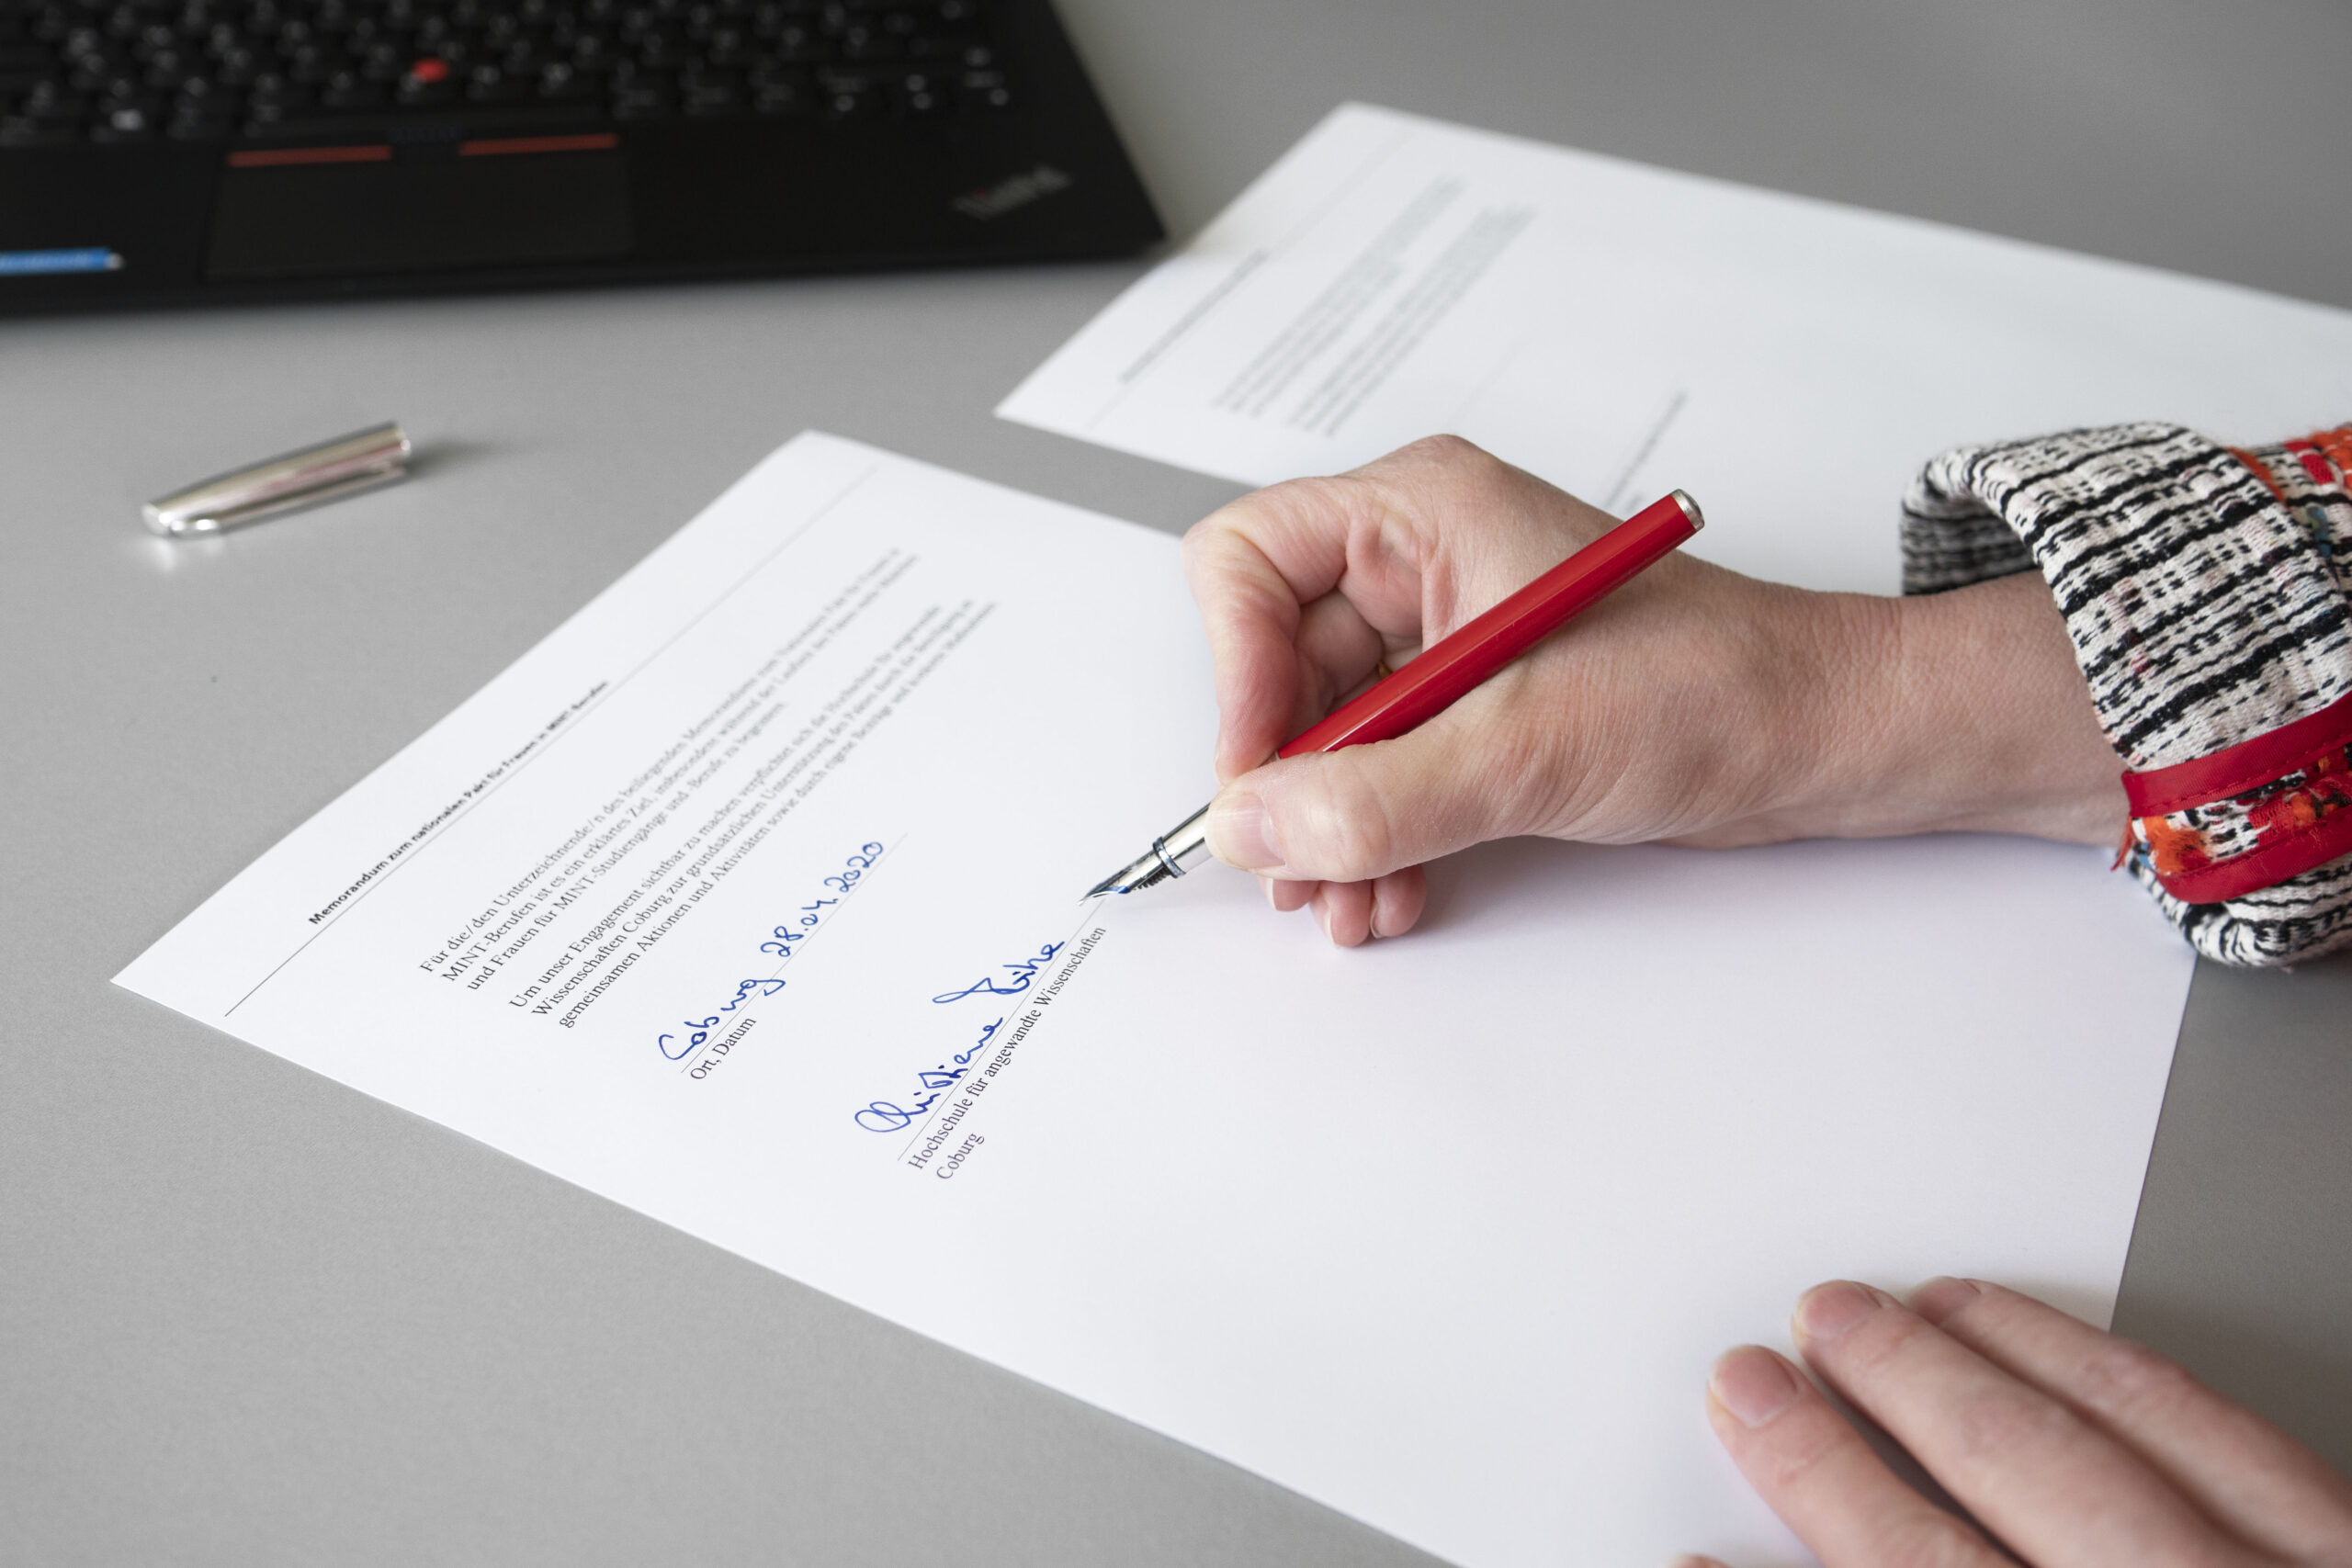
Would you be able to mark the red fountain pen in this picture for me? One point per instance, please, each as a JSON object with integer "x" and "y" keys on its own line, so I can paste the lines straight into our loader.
{"x": 1445, "y": 673}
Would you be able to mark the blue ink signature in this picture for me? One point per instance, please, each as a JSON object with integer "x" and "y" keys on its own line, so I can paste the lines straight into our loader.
{"x": 1018, "y": 981}
{"x": 888, "y": 1116}
{"x": 779, "y": 945}
{"x": 857, "y": 866}
{"x": 812, "y": 915}
{"x": 701, "y": 1028}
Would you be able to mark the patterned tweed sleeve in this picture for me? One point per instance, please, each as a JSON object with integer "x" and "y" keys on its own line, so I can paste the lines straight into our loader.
{"x": 2204, "y": 588}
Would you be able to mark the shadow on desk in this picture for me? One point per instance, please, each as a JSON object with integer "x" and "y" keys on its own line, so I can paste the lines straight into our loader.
{"x": 2252, "y": 1150}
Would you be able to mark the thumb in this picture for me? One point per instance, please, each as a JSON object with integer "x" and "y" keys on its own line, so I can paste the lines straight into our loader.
{"x": 1352, "y": 814}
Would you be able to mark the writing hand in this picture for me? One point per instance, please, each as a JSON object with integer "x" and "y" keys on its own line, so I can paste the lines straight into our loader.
{"x": 1694, "y": 705}
{"x": 2077, "y": 1450}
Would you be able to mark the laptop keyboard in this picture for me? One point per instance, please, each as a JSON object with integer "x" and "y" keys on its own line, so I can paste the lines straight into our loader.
{"x": 76, "y": 72}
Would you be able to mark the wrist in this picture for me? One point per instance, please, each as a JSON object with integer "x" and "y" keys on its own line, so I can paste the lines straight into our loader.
{"x": 1953, "y": 712}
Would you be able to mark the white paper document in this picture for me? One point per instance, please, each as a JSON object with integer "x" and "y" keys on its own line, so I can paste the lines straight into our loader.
{"x": 1624, "y": 331}
{"x": 749, "y": 899}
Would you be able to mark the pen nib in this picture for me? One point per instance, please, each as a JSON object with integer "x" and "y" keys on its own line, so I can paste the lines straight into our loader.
{"x": 1144, "y": 871}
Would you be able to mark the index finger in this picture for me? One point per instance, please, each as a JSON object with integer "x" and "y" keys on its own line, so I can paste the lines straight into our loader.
{"x": 2237, "y": 1467}
{"x": 2054, "y": 1487}
{"x": 1260, "y": 568}
{"x": 1814, "y": 1470}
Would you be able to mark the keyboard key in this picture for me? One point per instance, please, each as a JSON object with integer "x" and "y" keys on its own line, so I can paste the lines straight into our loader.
{"x": 110, "y": 83}
{"x": 924, "y": 93}
{"x": 489, "y": 84}
{"x": 565, "y": 83}
{"x": 852, "y": 99}
{"x": 314, "y": 62}
{"x": 263, "y": 116}
{"x": 207, "y": 127}
{"x": 987, "y": 89}
{"x": 168, "y": 68}
{"x": 349, "y": 90}
{"x": 642, "y": 94}
{"x": 864, "y": 43}
{"x": 710, "y": 99}
{"x": 785, "y": 98}
{"x": 52, "y": 103}
{"x": 125, "y": 122}
{"x": 799, "y": 45}
{"x": 21, "y": 130}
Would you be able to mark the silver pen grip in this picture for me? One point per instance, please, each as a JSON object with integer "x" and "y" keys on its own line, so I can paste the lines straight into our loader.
{"x": 1185, "y": 845}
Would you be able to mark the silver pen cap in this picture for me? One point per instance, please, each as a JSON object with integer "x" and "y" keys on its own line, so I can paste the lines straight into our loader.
{"x": 311, "y": 477}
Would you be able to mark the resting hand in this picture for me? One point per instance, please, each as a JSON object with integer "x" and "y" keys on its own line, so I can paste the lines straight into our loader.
{"x": 2076, "y": 1449}
{"x": 1694, "y": 705}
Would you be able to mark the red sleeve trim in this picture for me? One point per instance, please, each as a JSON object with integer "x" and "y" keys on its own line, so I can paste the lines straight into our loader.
{"x": 2291, "y": 855}
{"x": 2248, "y": 765}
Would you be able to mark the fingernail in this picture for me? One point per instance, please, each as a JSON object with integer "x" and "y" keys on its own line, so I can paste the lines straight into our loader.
{"x": 1940, "y": 1298}
{"x": 1323, "y": 917}
{"x": 1829, "y": 1311}
{"x": 1753, "y": 1384}
{"x": 1242, "y": 834}
{"x": 1266, "y": 886}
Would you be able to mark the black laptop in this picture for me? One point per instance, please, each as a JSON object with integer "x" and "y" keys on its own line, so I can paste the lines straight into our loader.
{"x": 172, "y": 152}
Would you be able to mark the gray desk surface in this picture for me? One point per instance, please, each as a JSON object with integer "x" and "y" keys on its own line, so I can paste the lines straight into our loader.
{"x": 249, "y": 1318}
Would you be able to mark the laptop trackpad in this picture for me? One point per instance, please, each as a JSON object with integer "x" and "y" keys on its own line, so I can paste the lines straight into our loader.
{"x": 370, "y": 211}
